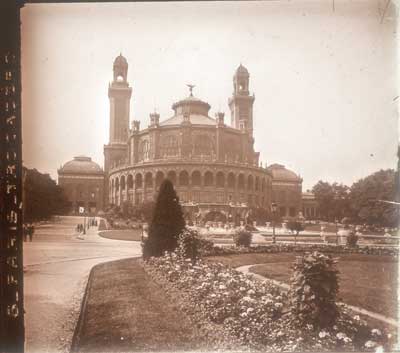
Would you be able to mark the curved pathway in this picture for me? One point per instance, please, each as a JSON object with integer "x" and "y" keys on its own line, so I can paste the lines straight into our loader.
{"x": 56, "y": 267}
{"x": 285, "y": 286}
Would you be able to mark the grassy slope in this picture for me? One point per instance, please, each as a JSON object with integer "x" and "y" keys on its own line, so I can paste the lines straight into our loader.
{"x": 367, "y": 281}
{"x": 126, "y": 311}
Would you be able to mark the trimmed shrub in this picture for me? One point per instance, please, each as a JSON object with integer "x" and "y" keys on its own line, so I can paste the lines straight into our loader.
{"x": 167, "y": 223}
{"x": 352, "y": 240}
{"x": 242, "y": 238}
{"x": 314, "y": 287}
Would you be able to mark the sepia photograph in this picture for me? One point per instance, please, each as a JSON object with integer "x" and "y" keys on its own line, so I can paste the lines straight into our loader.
{"x": 200, "y": 176}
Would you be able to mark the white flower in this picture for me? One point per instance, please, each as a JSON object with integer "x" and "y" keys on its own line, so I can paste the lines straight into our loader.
{"x": 278, "y": 305}
{"x": 213, "y": 295}
{"x": 221, "y": 286}
{"x": 347, "y": 339}
{"x": 379, "y": 349}
{"x": 341, "y": 335}
{"x": 323, "y": 334}
{"x": 357, "y": 318}
{"x": 249, "y": 310}
{"x": 250, "y": 292}
{"x": 370, "y": 344}
{"x": 375, "y": 331}
{"x": 242, "y": 288}
{"x": 243, "y": 314}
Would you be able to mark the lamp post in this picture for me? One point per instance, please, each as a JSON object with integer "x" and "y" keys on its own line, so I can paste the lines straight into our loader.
{"x": 84, "y": 222}
{"x": 274, "y": 207}
{"x": 336, "y": 231}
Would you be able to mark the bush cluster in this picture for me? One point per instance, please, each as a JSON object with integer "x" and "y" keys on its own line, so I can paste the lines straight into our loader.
{"x": 352, "y": 240}
{"x": 314, "y": 287}
{"x": 242, "y": 237}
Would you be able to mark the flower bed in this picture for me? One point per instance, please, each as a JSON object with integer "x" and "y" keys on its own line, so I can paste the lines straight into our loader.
{"x": 300, "y": 248}
{"x": 255, "y": 313}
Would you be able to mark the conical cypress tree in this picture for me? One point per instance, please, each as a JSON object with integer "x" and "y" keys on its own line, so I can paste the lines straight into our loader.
{"x": 167, "y": 222}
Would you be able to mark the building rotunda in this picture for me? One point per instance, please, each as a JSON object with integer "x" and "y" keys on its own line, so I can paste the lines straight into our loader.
{"x": 211, "y": 163}
{"x": 83, "y": 183}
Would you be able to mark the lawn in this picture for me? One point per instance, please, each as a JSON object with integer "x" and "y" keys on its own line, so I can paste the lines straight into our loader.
{"x": 122, "y": 234}
{"x": 367, "y": 281}
{"x": 126, "y": 311}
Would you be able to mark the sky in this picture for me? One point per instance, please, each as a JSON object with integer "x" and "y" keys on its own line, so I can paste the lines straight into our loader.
{"x": 324, "y": 78}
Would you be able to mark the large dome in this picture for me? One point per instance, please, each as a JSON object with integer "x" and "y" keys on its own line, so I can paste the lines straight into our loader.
{"x": 80, "y": 165}
{"x": 279, "y": 172}
{"x": 195, "y": 108}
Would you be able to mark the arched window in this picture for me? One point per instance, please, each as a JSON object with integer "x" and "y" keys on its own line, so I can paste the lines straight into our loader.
{"x": 231, "y": 180}
{"x": 130, "y": 181}
{"x": 196, "y": 178}
{"x": 263, "y": 185}
{"x": 203, "y": 145}
{"x": 250, "y": 182}
{"x": 172, "y": 176}
{"x": 138, "y": 181}
{"x": 148, "y": 180}
{"x": 169, "y": 146}
{"x": 123, "y": 182}
{"x": 144, "y": 150}
{"x": 183, "y": 178}
{"x": 159, "y": 179}
{"x": 257, "y": 184}
{"x": 116, "y": 184}
{"x": 220, "y": 180}
{"x": 241, "y": 182}
{"x": 208, "y": 179}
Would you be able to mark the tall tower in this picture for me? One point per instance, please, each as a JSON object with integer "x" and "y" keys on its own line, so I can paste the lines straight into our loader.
{"x": 241, "y": 102}
{"x": 119, "y": 94}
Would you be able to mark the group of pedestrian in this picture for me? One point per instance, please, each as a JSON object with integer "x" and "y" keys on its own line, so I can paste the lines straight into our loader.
{"x": 80, "y": 228}
{"x": 28, "y": 231}
{"x": 92, "y": 222}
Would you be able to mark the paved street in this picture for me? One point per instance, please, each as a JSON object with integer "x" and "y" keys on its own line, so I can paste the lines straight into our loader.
{"x": 57, "y": 264}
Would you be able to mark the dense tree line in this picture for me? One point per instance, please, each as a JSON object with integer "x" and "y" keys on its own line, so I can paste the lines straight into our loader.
{"x": 42, "y": 197}
{"x": 362, "y": 202}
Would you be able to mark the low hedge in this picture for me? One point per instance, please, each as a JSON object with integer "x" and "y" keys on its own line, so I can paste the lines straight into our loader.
{"x": 300, "y": 248}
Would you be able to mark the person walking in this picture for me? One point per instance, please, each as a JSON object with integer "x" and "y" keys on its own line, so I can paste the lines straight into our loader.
{"x": 25, "y": 232}
{"x": 31, "y": 230}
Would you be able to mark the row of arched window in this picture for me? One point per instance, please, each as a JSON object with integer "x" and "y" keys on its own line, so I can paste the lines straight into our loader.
{"x": 194, "y": 179}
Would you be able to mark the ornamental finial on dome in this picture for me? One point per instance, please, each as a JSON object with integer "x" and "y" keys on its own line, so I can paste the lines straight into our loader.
{"x": 191, "y": 89}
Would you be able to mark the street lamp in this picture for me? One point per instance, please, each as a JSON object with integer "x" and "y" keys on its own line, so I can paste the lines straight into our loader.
{"x": 274, "y": 208}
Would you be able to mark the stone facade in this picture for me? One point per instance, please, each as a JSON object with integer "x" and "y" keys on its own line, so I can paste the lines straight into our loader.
{"x": 212, "y": 165}
{"x": 83, "y": 183}
{"x": 310, "y": 206}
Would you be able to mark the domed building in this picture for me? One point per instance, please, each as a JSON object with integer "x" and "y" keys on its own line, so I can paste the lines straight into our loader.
{"x": 212, "y": 164}
{"x": 83, "y": 183}
{"x": 286, "y": 190}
